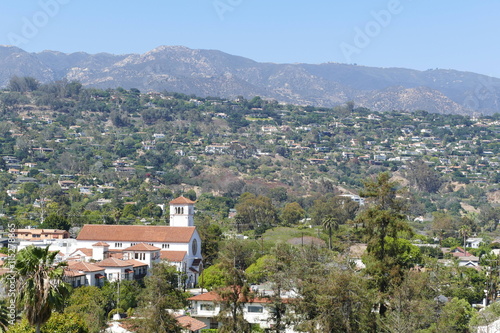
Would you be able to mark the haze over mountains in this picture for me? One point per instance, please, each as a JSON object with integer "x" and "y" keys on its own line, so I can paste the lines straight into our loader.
{"x": 215, "y": 73}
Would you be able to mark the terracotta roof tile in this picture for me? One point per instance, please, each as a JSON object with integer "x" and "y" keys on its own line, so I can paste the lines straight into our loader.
{"x": 142, "y": 247}
{"x": 113, "y": 262}
{"x": 190, "y": 323}
{"x": 100, "y": 244}
{"x": 136, "y": 233}
{"x": 84, "y": 267}
{"x": 213, "y": 296}
{"x": 136, "y": 263}
{"x": 181, "y": 201}
{"x": 173, "y": 256}
{"x": 85, "y": 251}
{"x": 71, "y": 273}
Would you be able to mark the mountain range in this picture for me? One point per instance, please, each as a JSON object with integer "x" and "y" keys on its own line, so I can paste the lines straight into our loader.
{"x": 215, "y": 73}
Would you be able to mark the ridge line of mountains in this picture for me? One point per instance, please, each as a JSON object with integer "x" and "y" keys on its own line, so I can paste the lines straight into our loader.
{"x": 215, "y": 73}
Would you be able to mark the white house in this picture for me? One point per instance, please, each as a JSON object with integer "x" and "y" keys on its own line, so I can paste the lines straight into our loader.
{"x": 256, "y": 310}
{"x": 473, "y": 242}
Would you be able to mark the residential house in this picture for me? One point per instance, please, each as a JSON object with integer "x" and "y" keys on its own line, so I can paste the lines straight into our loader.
{"x": 473, "y": 242}
{"x": 40, "y": 234}
{"x": 256, "y": 309}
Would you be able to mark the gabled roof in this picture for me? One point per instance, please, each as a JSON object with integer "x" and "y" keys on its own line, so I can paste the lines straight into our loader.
{"x": 100, "y": 244}
{"x": 113, "y": 262}
{"x": 136, "y": 263}
{"x": 85, "y": 251}
{"x": 142, "y": 247}
{"x": 136, "y": 233}
{"x": 173, "y": 256}
{"x": 181, "y": 201}
{"x": 84, "y": 266}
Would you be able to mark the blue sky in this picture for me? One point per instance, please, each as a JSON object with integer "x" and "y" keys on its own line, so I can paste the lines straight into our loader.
{"x": 414, "y": 34}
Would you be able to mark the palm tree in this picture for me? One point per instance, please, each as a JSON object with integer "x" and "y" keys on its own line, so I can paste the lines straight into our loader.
{"x": 39, "y": 284}
{"x": 330, "y": 223}
{"x": 464, "y": 231}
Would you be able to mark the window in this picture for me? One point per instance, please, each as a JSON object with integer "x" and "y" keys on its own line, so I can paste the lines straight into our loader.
{"x": 165, "y": 246}
{"x": 207, "y": 307}
{"x": 194, "y": 246}
{"x": 118, "y": 244}
{"x": 258, "y": 309}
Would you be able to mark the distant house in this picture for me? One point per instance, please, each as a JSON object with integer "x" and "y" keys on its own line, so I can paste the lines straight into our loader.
{"x": 473, "y": 242}
{"x": 40, "y": 234}
{"x": 216, "y": 149}
{"x": 66, "y": 184}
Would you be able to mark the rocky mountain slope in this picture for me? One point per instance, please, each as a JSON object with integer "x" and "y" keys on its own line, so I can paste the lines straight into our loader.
{"x": 215, "y": 73}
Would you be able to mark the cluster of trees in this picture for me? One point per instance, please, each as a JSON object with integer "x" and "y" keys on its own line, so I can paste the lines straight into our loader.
{"x": 401, "y": 289}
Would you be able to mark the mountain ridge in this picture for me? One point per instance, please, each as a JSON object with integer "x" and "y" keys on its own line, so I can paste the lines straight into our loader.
{"x": 216, "y": 73}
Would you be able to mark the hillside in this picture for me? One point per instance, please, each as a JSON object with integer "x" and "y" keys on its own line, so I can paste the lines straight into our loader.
{"x": 94, "y": 151}
{"x": 214, "y": 73}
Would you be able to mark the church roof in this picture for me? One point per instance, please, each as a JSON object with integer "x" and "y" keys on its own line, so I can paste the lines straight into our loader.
{"x": 182, "y": 201}
{"x": 136, "y": 233}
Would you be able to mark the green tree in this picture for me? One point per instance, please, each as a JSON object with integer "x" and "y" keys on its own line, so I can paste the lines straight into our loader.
{"x": 211, "y": 236}
{"x": 58, "y": 323}
{"x": 292, "y": 213}
{"x": 88, "y": 302}
{"x": 54, "y": 221}
{"x": 423, "y": 177}
{"x": 233, "y": 297}
{"x": 39, "y": 284}
{"x": 388, "y": 255}
{"x": 464, "y": 231}
{"x": 342, "y": 208}
{"x": 160, "y": 294}
{"x": 212, "y": 277}
{"x": 258, "y": 272}
{"x": 330, "y": 223}
{"x": 256, "y": 212}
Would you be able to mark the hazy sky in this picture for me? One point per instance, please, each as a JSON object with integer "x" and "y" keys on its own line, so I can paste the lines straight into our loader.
{"x": 419, "y": 34}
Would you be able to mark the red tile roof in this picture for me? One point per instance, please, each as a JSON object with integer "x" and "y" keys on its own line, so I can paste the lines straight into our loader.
{"x": 142, "y": 247}
{"x": 190, "y": 323}
{"x": 113, "y": 262}
{"x": 182, "y": 201}
{"x": 136, "y": 233}
{"x": 100, "y": 244}
{"x": 71, "y": 273}
{"x": 84, "y": 266}
{"x": 173, "y": 256}
{"x": 85, "y": 251}
{"x": 136, "y": 263}
{"x": 213, "y": 296}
